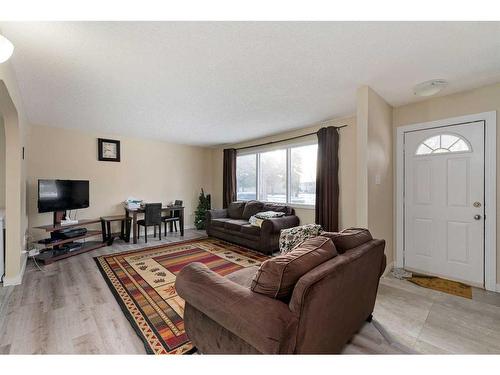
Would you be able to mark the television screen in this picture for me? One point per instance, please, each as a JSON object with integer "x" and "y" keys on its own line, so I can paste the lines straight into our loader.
{"x": 62, "y": 195}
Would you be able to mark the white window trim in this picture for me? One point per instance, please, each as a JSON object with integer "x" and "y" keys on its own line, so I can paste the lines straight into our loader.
{"x": 284, "y": 146}
{"x": 490, "y": 149}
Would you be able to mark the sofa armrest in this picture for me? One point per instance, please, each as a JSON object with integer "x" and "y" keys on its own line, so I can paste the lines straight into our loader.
{"x": 265, "y": 323}
{"x": 275, "y": 225}
{"x": 217, "y": 213}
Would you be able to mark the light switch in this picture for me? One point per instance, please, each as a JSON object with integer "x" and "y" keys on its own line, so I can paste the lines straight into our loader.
{"x": 377, "y": 179}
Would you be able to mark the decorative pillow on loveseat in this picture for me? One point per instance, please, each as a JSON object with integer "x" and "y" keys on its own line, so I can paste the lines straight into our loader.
{"x": 257, "y": 219}
{"x": 348, "y": 238}
{"x": 268, "y": 214}
{"x": 235, "y": 210}
{"x": 251, "y": 208}
{"x": 291, "y": 237}
{"x": 277, "y": 276}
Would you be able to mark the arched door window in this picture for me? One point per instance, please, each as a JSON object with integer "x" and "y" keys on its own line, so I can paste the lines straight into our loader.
{"x": 443, "y": 143}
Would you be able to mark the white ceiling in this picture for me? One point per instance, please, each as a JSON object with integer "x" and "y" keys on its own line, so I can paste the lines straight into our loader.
{"x": 207, "y": 83}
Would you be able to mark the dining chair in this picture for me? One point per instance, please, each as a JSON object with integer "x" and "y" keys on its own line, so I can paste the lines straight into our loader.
{"x": 174, "y": 217}
{"x": 152, "y": 217}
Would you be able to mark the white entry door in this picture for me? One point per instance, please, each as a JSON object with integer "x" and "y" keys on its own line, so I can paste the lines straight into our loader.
{"x": 444, "y": 202}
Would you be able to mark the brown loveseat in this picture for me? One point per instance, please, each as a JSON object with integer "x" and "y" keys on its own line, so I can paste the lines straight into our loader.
{"x": 244, "y": 313}
{"x": 232, "y": 225}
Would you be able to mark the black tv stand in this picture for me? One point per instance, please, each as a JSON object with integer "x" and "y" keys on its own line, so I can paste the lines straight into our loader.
{"x": 58, "y": 217}
{"x": 49, "y": 256}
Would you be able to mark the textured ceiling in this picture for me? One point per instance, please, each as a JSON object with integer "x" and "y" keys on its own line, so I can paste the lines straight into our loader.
{"x": 207, "y": 83}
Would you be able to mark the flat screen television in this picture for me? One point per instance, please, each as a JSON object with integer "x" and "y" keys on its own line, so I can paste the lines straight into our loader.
{"x": 62, "y": 195}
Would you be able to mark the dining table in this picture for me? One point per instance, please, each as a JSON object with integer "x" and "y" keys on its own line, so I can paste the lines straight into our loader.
{"x": 133, "y": 212}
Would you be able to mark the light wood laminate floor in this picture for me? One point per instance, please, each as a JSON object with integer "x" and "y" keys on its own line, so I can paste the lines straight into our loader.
{"x": 68, "y": 308}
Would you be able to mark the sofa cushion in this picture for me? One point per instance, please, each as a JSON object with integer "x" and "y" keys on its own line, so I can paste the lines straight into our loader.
{"x": 277, "y": 276}
{"x": 235, "y": 225}
{"x": 287, "y": 210}
{"x": 349, "y": 238}
{"x": 291, "y": 237}
{"x": 251, "y": 208}
{"x": 219, "y": 222}
{"x": 235, "y": 210}
{"x": 250, "y": 229}
{"x": 244, "y": 276}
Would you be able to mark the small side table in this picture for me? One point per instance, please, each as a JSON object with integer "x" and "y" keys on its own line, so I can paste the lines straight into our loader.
{"x": 125, "y": 223}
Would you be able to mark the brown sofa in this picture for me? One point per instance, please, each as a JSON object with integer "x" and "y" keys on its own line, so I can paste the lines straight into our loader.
{"x": 244, "y": 314}
{"x": 232, "y": 225}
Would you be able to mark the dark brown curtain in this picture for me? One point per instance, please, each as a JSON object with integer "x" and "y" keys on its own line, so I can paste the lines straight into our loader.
{"x": 229, "y": 177}
{"x": 327, "y": 179}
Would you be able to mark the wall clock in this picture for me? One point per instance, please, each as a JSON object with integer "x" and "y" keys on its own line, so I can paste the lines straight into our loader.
{"x": 108, "y": 149}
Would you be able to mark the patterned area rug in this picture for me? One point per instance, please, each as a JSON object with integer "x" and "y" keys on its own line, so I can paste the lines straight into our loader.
{"x": 443, "y": 285}
{"x": 142, "y": 282}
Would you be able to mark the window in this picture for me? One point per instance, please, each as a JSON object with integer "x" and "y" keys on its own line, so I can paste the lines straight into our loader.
{"x": 443, "y": 143}
{"x": 303, "y": 174}
{"x": 246, "y": 177}
{"x": 286, "y": 175}
{"x": 272, "y": 186}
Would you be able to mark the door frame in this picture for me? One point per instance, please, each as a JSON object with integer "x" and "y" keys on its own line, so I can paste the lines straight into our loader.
{"x": 490, "y": 146}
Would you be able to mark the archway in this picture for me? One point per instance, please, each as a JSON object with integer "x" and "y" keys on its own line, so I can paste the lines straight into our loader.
{"x": 13, "y": 187}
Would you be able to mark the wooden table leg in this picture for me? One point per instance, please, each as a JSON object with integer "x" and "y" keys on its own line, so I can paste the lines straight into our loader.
{"x": 134, "y": 227}
{"x": 110, "y": 235}
{"x": 103, "y": 230}
{"x": 181, "y": 222}
{"x": 127, "y": 229}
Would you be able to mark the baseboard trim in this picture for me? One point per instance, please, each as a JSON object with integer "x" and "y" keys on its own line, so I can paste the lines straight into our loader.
{"x": 388, "y": 268}
{"x": 18, "y": 279}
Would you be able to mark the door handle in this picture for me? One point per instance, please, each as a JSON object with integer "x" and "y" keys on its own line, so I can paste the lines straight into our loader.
{"x": 477, "y": 217}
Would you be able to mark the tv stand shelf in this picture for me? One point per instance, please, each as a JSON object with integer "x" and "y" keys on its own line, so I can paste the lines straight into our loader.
{"x": 81, "y": 223}
{"x": 45, "y": 258}
{"x": 46, "y": 255}
{"x": 90, "y": 233}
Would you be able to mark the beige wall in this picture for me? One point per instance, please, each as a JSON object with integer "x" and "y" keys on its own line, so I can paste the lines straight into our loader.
{"x": 474, "y": 101}
{"x": 15, "y": 123}
{"x": 380, "y": 171}
{"x": 2, "y": 163}
{"x": 362, "y": 157}
{"x": 347, "y": 175}
{"x": 374, "y": 167}
{"x": 151, "y": 170}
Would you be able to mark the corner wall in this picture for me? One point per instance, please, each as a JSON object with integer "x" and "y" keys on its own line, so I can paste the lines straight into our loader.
{"x": 15, "y": 123}
{"x": 375, "y": 167}
{"x": 2, "y": 163}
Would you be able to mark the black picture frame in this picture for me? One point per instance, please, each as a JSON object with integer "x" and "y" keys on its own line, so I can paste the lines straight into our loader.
{"x": 100, "y": 150}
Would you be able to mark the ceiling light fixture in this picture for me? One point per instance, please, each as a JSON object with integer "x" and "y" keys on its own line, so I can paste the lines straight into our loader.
{"x": 6, "y": 49}
{"x": 429, "y": 88}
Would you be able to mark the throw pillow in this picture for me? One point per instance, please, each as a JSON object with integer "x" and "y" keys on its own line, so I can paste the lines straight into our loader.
{"x": 291, "y": 237}
{"x": 251, "y": 208}
{"x": 256, "y": 222}
{"x": 349, "y": 238}
{"x": 268, "y": 214}
{"x": 257, "y": 219}
{"x": 276, "y": 277}
{"x": 278, "y": 208}
{"x": 235, "y": 210}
